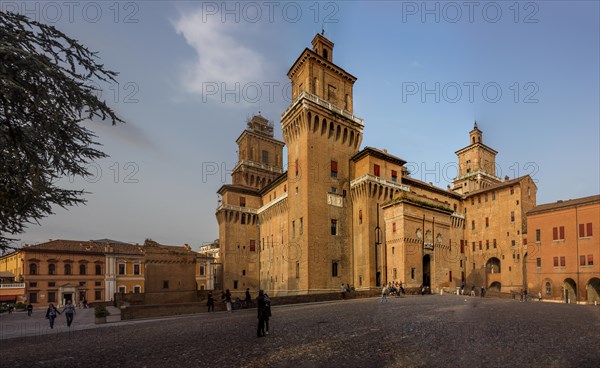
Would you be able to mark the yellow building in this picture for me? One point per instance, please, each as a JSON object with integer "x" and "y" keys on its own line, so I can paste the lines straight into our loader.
{"x": 342, "y": 214}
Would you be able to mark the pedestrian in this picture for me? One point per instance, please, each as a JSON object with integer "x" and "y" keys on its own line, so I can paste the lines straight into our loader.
{"x": 472, "y": 289}
{"x": 343, "y": 291}
{"x": 267, "y": 312}
{"x": 29, "y": 309}
{"x": 211, "y": 302}
{"x": 383, "y": 294}
{"x": 69, "y": 311}
{"x": 348, "y": 288}
{"x": 482, "y": 292}
{"x": 522, "y": 295}
{"x": 248, "y": 300}
{"x": 462, "y": 288}
{"x": 51, "y": 314}
{"x": 422, "y": 289}
{"x": 228, "y": 300}
{"x": 260, "y": 306}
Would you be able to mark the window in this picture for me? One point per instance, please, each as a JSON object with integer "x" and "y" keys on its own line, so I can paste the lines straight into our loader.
{"x": 235, "y": 284}
{"x": 548, "y": 289}
{"x": 51, "y": 269}
{"x": 122, "y": 289}
{"x": 493, "y": 196}
{"x": 98, "y": 269}
{"x": 590, "y": 259}
{"x": 450, "y": 276}
{"x": 512, "y": 243}
{"x": 487, "y": 245}
{"x": 333, "y": 227}
{"x": 97, "y": 283}
{"x": 480, "y": 246}
{"x": 67, "y": 269}
{"x": 33, "y": 269}
{"x": 582, "y": 260}
{"x": 301, "y": 225}
{"x": 165, "y": 284}
{"x": 512, "y": 190}
{"x": 136, "y": 268}
{"x": 33, "y": 297}
{"x": 242, "y": 201}
{"x": 562, "y": 261}
{"x": 393, "y": 251}
{"x": 33, "y": 284}
{"x": 201, "y": 270}
{"x": 297, "y": 166}
{"x": 51, "y": 297}
{"x": 265, "y": 157}
{"x": 512, "y": 216}
{"x": 297, "y": 270}
{"x": 243, "y": 221}
{"x": 478, "y": 199}
{"x": 243, "y": 272}
{"x": 473, "y": 246}
{"x": 137, "y": 289}
{"x": 82, "y": 269}
{"x": 51, "y": 284}
{"x": 253, "y": 245}
{"x": 412, "y": 273}
{"x": 98, "y": 295}
{"x": 81, "y": 283}
{"x": 555, "y": 261}
{"x": 558, "y": 233}
{"x": 538, "y": 235}
{"x": 376, "y": 171}
{"x": 582, "y": 230}
{"x": 360, "y": 216}
{"x": 473, "y": 225}
{"x": 561, "y": 233}
{"x": 121, "y": 268}
{"x": 487, "y": 222}
{"x": 334, "y": 169}
{"x": 462, "y": 246}
{"x": 394, "y": 176}
{"x": 486, "y": 197}
{"x": 393, "y": 227}
{"x": 334, "y": 269}
{"x": 294, "y": 229}
{"x": 494, "y": 243}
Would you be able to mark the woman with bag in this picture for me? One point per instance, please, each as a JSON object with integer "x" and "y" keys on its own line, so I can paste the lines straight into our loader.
{"x": 51, "y": 314}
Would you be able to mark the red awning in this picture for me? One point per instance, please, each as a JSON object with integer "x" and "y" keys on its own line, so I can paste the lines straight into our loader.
{"x": 8, "y": 298}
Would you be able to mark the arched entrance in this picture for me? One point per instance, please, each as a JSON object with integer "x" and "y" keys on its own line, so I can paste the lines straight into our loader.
{"x": 495, "y": 286}
{"x": 593, "y": 290}
{"x": 427, "y": 270}
{"x": 569, "y": 291}
{"x": 493, "y": 265}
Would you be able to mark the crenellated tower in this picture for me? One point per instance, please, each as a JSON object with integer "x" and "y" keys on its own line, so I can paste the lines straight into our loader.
{"x": 322, "y": 134}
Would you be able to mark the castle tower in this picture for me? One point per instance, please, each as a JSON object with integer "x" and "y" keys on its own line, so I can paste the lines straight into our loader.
{"x": 260, "y": 161}
{"x": 476, "y": 164}
{"x": 321, "y": 134}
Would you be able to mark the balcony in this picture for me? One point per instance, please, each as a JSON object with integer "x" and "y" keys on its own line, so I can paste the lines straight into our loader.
{"x": 378, "y": 180}
{"x": 258, "y": 165}
{"x": 20, "y": 285}
{"x": 323, "y": 103}
{"x": 236, "y": 208}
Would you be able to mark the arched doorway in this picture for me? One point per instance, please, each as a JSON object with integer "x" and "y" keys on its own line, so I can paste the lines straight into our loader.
{"x": 427, "y": 270}
{"x": 493, "y": 265}
{"x": 593, "y": 290}
{"x": 569, "y": 291}
{"x": 495, "y": 286}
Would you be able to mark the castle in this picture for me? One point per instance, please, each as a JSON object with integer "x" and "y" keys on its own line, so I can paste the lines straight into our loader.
{"x": 345, "y": 215}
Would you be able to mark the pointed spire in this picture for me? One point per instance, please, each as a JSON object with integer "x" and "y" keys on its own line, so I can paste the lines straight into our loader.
{"x": 475, "y": 125}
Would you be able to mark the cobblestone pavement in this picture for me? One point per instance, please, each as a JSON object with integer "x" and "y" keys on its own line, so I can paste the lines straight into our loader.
{"x": 429, "y": 331}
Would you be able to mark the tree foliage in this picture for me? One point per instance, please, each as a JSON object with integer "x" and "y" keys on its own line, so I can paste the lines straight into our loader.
{"x": 48, "y": 87}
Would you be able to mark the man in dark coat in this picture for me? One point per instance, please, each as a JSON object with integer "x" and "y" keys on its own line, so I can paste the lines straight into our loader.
{"x": 260, "y": 306}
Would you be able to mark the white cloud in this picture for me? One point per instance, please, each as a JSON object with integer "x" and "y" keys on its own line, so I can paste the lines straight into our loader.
{"x": 222, "y": 56}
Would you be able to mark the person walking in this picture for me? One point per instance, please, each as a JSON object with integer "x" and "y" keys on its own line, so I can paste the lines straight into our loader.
{"x": 228, "y": 300}
{"x": 472, "y": 290}
{"x": 29, "y": 309}
{"x": 383, "y": 294}
{"x": 260, "y": 306}
{"x": 343, "y": 292}
{"x": 211, "y": 302}
{"x": 462, "y": 288}
{"x": 248, "y": 300}
{"x": 69, "y": 311}
{"x": 51, "y": 314}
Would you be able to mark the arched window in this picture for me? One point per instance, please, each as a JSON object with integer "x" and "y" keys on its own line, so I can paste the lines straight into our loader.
{"x": 548, "y": 289}
{"x": 33, "y": 269}
{"x": 51, "y": 269}
{"x": 82, "y": 269}
{"x": 67, "y": 269}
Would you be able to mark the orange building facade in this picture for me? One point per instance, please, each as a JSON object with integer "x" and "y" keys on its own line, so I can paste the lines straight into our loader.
{"x": 563, "y": 250}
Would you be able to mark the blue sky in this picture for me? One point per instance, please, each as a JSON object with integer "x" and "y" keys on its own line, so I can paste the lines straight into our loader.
{"x": 529, "y": 74}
